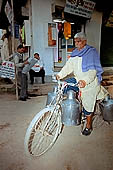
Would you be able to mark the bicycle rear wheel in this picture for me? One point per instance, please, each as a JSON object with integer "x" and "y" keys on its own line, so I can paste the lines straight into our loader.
{"x": 43, "y": 131}
{"x": 98, "y": 117}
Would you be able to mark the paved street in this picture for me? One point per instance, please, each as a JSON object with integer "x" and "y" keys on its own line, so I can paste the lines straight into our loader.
{"x": 72, "y": 151}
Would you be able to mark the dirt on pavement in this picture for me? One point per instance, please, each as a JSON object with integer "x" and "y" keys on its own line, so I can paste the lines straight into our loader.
{"x": 72, "y": 151}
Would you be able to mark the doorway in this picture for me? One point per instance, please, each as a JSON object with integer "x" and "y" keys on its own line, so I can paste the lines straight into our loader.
{"x": 106, "y": 49}
{"x": 65, "y": 46}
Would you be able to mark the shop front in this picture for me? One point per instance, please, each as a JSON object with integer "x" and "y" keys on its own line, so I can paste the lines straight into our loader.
{"x": 54, "y": 26}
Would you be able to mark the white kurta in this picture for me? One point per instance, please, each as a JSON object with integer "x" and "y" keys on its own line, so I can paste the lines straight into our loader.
{"x": 92, "y": 91}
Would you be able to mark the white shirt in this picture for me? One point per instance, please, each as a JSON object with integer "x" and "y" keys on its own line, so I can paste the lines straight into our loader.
{"x": 37, "y": 66}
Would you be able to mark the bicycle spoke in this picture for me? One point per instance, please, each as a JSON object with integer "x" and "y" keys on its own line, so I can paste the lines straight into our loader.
{"x": 36, "y": 145}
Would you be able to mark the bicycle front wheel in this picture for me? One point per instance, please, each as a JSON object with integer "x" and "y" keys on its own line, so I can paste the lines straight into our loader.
{"x": 43, "y": 131}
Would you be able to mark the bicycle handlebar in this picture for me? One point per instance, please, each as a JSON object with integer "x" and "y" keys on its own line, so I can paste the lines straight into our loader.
{"x": 64, "y": 83}
{"x": 69, "y": 84}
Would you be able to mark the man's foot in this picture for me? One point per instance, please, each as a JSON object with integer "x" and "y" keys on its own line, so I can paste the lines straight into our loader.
{"x": 22, "y": 98}
{"x": 86, "y": 131}
{"x": 28, "y": 97}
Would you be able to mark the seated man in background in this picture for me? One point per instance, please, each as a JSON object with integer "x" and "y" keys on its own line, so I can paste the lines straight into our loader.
{"x": 37, "y": 70}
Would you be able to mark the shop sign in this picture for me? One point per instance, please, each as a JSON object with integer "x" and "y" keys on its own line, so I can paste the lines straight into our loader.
{"x": 7, "y": 70}
{"x": 84, "y": 10}
{"x": 16, "y": 31}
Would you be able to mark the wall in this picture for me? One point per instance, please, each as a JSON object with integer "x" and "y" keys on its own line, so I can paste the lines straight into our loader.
{"x": 41, "y": 15}
{"x": 93, "y": 30}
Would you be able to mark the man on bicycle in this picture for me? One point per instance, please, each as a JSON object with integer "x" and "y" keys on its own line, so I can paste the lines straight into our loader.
{"x": 84, "y": 63}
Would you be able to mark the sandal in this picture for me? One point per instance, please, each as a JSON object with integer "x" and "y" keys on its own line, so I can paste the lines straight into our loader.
{"x": 86, "y": 131}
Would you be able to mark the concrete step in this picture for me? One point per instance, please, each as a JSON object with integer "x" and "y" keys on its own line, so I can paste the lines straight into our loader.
{"x": 8, "y": 88}
{"x": 38, "y": 89}
{"x": 41, "y": 89}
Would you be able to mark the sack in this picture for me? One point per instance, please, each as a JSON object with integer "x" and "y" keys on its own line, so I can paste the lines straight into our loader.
{"x": 27, "y": 67}
{"x": 108, "y": 109}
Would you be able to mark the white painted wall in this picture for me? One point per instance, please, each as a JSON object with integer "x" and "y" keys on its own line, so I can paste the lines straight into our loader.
{"x": 41, "y": 15}
{"x": 93, "y": 30}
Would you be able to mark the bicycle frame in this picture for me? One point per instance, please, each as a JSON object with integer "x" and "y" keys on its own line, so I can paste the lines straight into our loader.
{"x": 58, "y": 99}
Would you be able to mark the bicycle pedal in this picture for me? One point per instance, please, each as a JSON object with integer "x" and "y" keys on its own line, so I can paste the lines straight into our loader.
{"x": 64, "y": 97}
{"x": 84, "y": 118}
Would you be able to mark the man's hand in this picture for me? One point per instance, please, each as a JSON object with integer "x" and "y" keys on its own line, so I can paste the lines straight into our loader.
{"x": 26, "y": 59}
{"x": 36, "y": 66}
{"x": 26, "y": 62}
{"x": 81, "y": 83}
{"x": 57, "y": 77}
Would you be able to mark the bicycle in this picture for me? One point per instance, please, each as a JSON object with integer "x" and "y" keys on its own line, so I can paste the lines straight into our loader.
{"x": 46, "y": 126}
